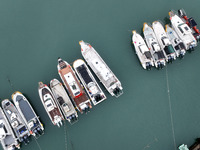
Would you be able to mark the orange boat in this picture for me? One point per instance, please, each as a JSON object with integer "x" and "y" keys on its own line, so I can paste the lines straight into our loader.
{"x": 73, "y": 86}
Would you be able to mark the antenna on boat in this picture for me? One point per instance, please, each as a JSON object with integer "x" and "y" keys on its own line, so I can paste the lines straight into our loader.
{"x": 10, "y": 83}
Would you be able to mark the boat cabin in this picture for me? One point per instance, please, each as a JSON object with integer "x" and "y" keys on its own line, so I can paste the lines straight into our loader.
{"x": 72, "y": 84}
{"x": 48, "y": 102}
{"x": 184, "y": 29}
{"x": 165, "y": 41}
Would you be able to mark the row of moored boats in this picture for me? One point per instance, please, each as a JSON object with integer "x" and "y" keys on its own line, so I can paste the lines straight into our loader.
{"x": 18, "y": 121}
{"x": 165, "y": 45}
{"x": 80, "y": 87}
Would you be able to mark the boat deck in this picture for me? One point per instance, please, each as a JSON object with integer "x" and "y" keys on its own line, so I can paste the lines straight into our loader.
{"x": 81, "y": 99}
{"x": 55, "y": 111}
{"x": 93, "y": 58}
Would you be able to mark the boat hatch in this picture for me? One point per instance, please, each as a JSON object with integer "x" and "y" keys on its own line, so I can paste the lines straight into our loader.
{"x": 21, "y": 130}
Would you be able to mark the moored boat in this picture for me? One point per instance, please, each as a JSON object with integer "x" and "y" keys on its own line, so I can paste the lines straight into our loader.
{"x": 92, "y": 88}
{"x": 100, "y": 68}
{"x": 29, "y": 116}
{"x": 73, "y": 86}
{"x": 176, "y": 41}
{"x": 142, "y": 51}
{"x": 183, "y": 31}
{"x": 64, "y": 101}
{"x": 154, "y": 47}
{"x": 17, "y": 123}
{"x": 164, "y": 41}
{"x": 7, "y": 137}
{"x": 50, "y": 104}
{"x": 191, "y": 23}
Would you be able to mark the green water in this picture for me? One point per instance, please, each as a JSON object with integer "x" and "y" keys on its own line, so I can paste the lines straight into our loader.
{"x": 158, "y": 110}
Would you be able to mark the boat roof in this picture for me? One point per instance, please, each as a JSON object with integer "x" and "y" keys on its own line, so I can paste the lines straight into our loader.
{"x": 25, "y": 108}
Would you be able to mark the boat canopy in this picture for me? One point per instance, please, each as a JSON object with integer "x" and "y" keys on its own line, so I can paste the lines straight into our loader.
{"x": 25, "y": 108}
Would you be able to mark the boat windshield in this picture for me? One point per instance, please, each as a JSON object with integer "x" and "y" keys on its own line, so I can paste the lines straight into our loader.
{"x": 155, "y": 46}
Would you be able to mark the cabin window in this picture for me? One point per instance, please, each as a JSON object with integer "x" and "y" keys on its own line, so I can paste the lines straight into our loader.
{"x": 180, "y": 29}
{"x": 77, "y": 93}
{"x": 186, "y": 28}
{"x": 163, "y": 41}
{"x": 49, "y": 105}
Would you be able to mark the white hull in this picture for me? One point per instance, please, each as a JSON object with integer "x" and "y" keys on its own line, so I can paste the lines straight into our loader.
{"x": 183, "y": 31}
{"x": 74, "y": 87}
{"x": 142, "y": 51}
{"x": 100, "y": 68}
{"x": 63, "y": 101}
{"x": 7, "y": 137}
{"x": 176, "y": 41}
{"x": 191, "y": 23}
{"x": 154, "y": 47}
{"x": 17, "y": 123}
{"x": 164, "y": 41}
{"x": 28, "y": 114}
{"x": 50, "y": 105}
{"x": 92, "y": 88}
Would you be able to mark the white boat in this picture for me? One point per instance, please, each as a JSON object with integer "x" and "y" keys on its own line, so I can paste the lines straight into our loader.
{"x": 183, "y": 31}
{"x": 7, "y": 137}
{"x": 63, "y": 101}
{"x": 164, "y": 41}
{"x": 154, "y": 47}
{"x": 32, "y": 121}
{"x": 100, "y": 68}
{"x": 177, "y": 43}
{"x": 74, "y": 87}
{"x": 142, "y": 51}
{"x": 50, "y": 104}
{"x": 17, "y": 123}
{"x": 191, "y": 23}
{"x": 92, "y": 88}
